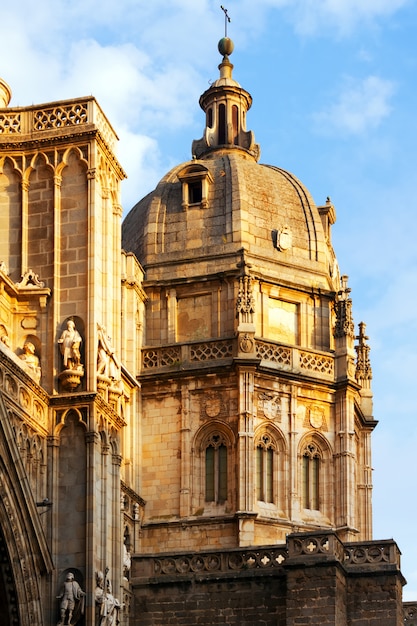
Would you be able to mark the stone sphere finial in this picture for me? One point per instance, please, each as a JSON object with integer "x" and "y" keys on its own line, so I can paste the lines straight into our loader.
{"x": 225, "y": 46}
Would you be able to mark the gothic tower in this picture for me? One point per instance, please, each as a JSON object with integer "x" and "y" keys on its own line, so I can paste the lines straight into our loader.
{"x": 256, "y": 411}
{"x": 65, "y": 384}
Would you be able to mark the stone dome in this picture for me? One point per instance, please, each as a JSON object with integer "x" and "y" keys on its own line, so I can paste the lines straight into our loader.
{"x": 208, "y": 210}
{"x": 260, "y": 208}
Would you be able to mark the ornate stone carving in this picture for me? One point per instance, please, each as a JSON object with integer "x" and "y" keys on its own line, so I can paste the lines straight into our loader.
{"x": 245, "y": 303}
{"x": 72, "y": 601}
{"x": 270, "y": 405}
{"x": 213, "y": 405}
{"x": 246, "y": 343}
{"x": 343, "y": 306}
{"x": 30, "y": 361}
{"x": 107, "y": 606}
{"x": 108, "y": 365}
{"x": 30, "y": 279}
{"x": 363, "y": 363}
{"x": 316, "y": 416}
{"x": 284, "y": 239}
{"x": 70, "y": 342}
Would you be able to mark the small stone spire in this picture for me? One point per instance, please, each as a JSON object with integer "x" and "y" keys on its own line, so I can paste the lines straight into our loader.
{"x": 344, "y": 322}
{"x": 363, "y": 364}
{"x": 5, "y": 94}
{"x": 225, "y": 104}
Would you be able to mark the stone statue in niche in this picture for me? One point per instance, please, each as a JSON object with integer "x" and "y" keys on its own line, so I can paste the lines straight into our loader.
{"x": 70, "y": 342}
{"x": 108, "y": 364}
{"x": 31, "y": 361}
{"x": 72, "y": 601}
{"x": 127, "y": 562}
{"x": 107, "y": 606}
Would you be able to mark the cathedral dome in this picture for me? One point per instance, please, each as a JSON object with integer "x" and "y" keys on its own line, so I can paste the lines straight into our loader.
{"x": 209, "y": 209}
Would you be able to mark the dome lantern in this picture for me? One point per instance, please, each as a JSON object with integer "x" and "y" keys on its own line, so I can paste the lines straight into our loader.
{"x": 225, "y": 104}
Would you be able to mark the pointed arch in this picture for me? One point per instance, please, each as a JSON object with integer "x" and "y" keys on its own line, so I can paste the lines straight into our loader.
{"x": 270, "y": 459}
{"x": 23, "y": 547}
{"x": 315, "y": 476}
{"x": 39, "y": 205}
{"x": 213, "y": 460}
{"x": 11, "y": 217}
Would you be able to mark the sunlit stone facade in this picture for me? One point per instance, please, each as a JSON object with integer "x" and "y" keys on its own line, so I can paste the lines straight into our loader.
{"x": 185, "y": 401}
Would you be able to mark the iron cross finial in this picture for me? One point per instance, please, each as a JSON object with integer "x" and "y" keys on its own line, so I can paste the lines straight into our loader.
{"x": 226, "y": 19}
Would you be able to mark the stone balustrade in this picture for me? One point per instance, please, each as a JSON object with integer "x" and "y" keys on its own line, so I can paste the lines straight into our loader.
{"x": 300, "y": 546}
{"x": 69, "y": 115}
{"x": 272, "y": 355}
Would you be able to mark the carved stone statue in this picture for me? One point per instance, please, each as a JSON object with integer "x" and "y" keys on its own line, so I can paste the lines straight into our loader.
{"x": 31, "y": 361}
{"x": 108, "y": 364}
{"x": 72, "y": 601}
{"x": 70, "y": 342}
{"x": 127, "y": 562}
{"x": 107, "y": 606}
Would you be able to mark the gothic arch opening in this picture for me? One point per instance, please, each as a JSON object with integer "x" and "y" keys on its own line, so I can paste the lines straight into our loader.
{"x": 9, "y": 614}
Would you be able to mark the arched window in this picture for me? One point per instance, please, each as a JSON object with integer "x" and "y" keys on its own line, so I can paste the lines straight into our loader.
{"x": 265, "y": 467}
{"x": 222, "y": 124}
{"x": 235, "y": 122}
{"x": 311, "y": 477}
{"x": 216, "y": 469}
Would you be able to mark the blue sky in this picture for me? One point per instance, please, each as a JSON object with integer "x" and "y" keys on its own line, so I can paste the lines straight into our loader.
{"x": 335, "y": 102}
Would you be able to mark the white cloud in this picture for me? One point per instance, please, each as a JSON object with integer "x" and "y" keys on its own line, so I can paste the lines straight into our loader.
{"x": 325, "y": 16}
{"x": 361, "y": 106}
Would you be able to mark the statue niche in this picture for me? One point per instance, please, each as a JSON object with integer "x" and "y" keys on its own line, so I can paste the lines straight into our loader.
{"x": 107, "y": 606}
{"x": 71, "y": 599}
{"x": 108, "y": 367}
{"x": 70, "y": 343}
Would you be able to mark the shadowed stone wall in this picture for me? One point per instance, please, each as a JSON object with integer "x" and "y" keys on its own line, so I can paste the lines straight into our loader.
{"x": 313, "y": 579}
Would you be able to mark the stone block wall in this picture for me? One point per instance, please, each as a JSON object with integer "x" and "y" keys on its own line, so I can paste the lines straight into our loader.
{"x": 313, "y": 579}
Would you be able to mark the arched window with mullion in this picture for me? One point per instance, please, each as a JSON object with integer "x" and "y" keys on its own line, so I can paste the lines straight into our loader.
{"x": 216, "y": 469}
{"x": 311, "y": 477}
{"x": 265, "y": 468}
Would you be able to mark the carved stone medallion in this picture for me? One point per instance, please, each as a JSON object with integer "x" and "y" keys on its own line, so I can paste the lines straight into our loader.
{"x": 316, "y": 416}
{"x": 213, "y": 405}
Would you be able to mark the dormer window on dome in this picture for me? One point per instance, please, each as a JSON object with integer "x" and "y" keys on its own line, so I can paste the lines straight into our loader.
{"x": 195, "y": 181}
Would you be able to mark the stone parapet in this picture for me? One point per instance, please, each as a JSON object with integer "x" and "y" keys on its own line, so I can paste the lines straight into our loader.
{"x": 62, "y": 117}
{"x": 313, "y": 579}
{"x": 269, "y": 354}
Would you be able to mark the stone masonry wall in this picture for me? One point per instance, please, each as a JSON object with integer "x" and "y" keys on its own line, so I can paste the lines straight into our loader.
{"x": 313, "y": 579}
{"x": 239, "y": 601}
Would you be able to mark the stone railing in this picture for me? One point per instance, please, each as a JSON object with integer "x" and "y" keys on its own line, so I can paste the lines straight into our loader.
{"x": 304, "y": 548}
{"x": 372, "y": 552}
{"x": 69, "y": 114}
{"x": 182, "y": 356}
{"x": 228, "y": 561}
{"x": 291, "y": 359}
{"x": 328, "y": 544}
